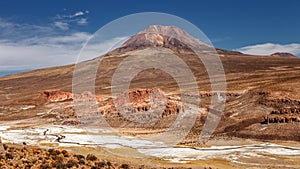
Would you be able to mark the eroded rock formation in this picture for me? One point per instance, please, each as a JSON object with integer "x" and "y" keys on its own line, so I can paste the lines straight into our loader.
{"x": 269, "y": 101}
{"x": 54, "y": 95}
{"x": 134, "y": 106}
{"x": 57, "y": 96}
{"x": 285, "y": 110}
{"x": 145, "y": 108}
{"x": 281, "y": 119}
{"x": 142, "y": 100}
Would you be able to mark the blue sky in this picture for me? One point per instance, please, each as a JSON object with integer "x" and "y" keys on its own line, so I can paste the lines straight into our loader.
{"x": 38, "y": 33}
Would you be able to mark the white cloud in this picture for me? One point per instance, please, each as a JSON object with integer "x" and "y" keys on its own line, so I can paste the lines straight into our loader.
{"x": 74, "y": 15}
{"x": 82, "y": 21}
{"x": 270, "y": 48}
{"x": 6, "y": 24}
{"x": 21, "y": 57}
{"x": 61, "y": 25}
{"x": 25, "y": 46}
{"x": 52, "y": 51}
{"x": 80, "y": 13}
{"x": 78, "y": 37}
{"x": 16, "y": 31}
{"x": 64, "y": 21}
{"x": 41, "y": 52}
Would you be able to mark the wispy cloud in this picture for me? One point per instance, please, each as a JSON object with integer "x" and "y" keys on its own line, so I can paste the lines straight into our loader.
{"x": 16, "y": 56}
{"x": 82, "y": 21}
{"x": 61, "y": 25}
{"x": 63, "y": 21}
{"x": 270, "y": 48}
{"x": 5, "y": 24}
{"x": 26, "y": 46}
{"x": 15, "y": 31}
{"x": 72, "y": 15}
{"x": 79, "y": 13}
{"x": 38, "y": 52}
{"x": 52, "y": 51}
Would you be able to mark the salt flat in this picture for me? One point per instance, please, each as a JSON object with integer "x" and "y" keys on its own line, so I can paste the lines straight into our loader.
{"x": 111, "y": 141}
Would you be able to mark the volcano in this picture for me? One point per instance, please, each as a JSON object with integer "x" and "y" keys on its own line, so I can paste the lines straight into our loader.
{"x": 163, "y": 36}
{"x": 171, "y": 37}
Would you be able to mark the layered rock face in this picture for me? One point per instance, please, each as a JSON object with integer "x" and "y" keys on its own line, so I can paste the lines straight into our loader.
{"x": 65, "y": 113}
{"x": 284, "y": 115}
{"x": 142, "y": 106}
{"x": 286, "y": 110}
{"x": 149, "y": 106}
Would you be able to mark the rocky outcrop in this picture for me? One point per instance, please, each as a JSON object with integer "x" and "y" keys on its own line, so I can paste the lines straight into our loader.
{"x": 278, "y": 102}
{"x": 54, "y": 95}
{"x": 87, "y": 96}
{"x": 283, "y": 115}
{"x": 57, "y": 96}
{"x": 143, "y": 104}
{"x": 62, "y": 115}
{"x": 149, "y": 106}
{"x": 141, "y": 100}
{"x": 138, "y": 96}
{"x": 285, "y": 110}
{"x": 281, "y": 119}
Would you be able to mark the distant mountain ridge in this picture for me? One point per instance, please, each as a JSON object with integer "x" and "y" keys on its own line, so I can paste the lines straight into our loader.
{"x": 284, "y": 55}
